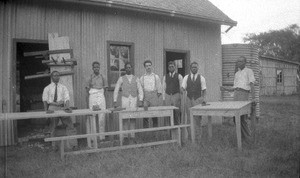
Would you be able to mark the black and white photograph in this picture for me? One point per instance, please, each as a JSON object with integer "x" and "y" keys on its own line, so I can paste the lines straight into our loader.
{"x": 149, "y": 88}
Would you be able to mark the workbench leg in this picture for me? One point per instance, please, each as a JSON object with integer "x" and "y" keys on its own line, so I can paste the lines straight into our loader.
{"x": 121, "y": 129}
{"x": 209, "y": 126}
{"x": 62, "y": 150}
{"x": 179, "y": 136}
{"x": 174, "y": 134}
{"x": 94, "y": 130}
{"x": 192, "y": 126}
{"x": 88, "y": 131}
{"x": 238, "y": 131}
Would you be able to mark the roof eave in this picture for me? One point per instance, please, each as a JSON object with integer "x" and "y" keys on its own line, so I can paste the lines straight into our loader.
{"x": 153, "y": 10}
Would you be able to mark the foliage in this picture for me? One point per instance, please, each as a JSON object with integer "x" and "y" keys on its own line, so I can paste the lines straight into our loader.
{"x": 284, "y": 43}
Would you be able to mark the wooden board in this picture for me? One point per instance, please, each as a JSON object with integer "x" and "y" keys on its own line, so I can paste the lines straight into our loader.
{"x": 56, "y": 43}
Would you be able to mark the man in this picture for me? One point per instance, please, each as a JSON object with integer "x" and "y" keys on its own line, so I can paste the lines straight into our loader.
{"x": 131, "y": 91}
{"x": 195, "y": 86}
{"x": 56, "y": 97}
{"x": 96, "y": 90}
{"x": 243, "y": 84}
{"x": 171, "y": 90}
{"x": 152, "y": 90}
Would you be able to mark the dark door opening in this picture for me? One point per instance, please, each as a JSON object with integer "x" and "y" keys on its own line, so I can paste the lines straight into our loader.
{"x": 181, "y": 59}
{"x": 28, "y": 94}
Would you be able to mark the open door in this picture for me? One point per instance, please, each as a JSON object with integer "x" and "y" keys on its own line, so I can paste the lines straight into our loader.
{"x": 27, "y": 95}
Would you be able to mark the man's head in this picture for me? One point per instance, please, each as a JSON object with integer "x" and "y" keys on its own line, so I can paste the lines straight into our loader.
{"x": 128, "y": 68}
{"x": 171, "y": 66}
{"x": 241, "y": 62}
{"x": 148, "y": 66}
{"x": 96, "y": 67}
{"x": 55, "y": 75}
{"x": 194, "y": 67}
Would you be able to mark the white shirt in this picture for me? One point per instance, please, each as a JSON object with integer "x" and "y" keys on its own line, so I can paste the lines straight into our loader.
{"x": 164, "y": 85}
{"x": 202, "y": 80}
{"x": 49, "y": 91}
{"x": 120, "y": 82}
{"x": 151, "y": 82}
{"x": 243, "y": 78}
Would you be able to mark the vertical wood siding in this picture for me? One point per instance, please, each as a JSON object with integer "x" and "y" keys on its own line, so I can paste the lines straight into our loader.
{"x": 89, "y": 28}
{"x": 269, "y": 84}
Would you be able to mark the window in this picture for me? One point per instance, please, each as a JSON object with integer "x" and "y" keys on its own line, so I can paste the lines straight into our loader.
{"x": 118, "y": 54}
{"x": 279, "y": 78}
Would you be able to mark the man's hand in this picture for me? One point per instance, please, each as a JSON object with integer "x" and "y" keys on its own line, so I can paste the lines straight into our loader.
{"x": 115, "y": 104}
{"x": 158, "y": 95}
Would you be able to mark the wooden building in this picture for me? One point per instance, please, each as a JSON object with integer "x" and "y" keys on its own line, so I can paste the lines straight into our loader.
{"x": 278, "y": 76}
{"x": 111, "y": 32}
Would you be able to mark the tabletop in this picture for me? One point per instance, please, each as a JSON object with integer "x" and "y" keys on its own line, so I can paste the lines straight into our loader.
{"x": 222, "y": 105}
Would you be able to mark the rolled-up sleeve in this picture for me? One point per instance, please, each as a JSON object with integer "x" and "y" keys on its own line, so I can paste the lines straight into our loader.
{"x": 140, "y": 89}
{"x": 158, "y": 83}
{"x": 45, "y": 96}
{"x": 117, "y": 88}
{"x": 203, "y": 83}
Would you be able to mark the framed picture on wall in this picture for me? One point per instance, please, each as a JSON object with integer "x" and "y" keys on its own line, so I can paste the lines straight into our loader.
{"x": 118, "y": 54}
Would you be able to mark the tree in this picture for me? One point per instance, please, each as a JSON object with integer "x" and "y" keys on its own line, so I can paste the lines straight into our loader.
{"x": 284, "y": 43}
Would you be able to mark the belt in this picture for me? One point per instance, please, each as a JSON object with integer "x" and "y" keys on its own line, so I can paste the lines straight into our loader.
{"x": 241, "y": 89}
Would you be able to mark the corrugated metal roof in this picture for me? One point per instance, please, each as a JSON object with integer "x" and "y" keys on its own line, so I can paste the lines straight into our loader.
{"x": 201, "y": 10}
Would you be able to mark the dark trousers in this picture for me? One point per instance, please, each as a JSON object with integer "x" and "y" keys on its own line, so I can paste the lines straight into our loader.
{"x": 240, "y": 95}
{"x": 150, "y": 99}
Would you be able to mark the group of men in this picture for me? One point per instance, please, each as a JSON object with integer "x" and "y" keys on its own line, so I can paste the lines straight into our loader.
{"x": 146, "y": 91}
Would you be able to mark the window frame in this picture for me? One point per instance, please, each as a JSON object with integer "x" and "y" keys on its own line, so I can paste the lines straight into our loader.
{"x": 279, "y": 82}
{"x": 131, "y": 59}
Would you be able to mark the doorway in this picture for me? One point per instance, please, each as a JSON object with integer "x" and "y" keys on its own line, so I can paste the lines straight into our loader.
{"x": 181, "y": 59}
{"x": 28, "y": 91}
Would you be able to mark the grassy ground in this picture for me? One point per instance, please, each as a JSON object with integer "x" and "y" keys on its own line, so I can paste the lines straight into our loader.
{"x": 275, "y": 154}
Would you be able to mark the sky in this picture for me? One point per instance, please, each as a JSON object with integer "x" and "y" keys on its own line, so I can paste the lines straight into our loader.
{"x": 254, "y": 16}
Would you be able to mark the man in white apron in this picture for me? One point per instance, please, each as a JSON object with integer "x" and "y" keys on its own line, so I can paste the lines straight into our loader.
{"x": 96, "y": 89}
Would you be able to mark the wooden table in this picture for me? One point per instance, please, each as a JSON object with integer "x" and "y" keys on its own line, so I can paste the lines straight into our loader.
{"x": 159, "y": 111}
{"x": 59, "y": 113}
{"x": 222, "y": 108}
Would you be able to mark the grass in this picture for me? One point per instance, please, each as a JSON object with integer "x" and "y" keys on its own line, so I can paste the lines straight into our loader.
{"x": 275, "y": 154}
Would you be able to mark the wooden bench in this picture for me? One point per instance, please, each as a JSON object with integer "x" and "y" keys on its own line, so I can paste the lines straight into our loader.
{"x": 93, "y": 150}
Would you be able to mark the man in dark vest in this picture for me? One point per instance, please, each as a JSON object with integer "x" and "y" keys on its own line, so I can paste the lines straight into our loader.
{"x": 171, "y": 90}
{"x": 131, "y": 92}
{"x": 195, "y": 86}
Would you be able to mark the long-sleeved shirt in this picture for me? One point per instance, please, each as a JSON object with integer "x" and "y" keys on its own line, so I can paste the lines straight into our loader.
{"x": 164, "y": 85}
{"x": 120, "y": 82}
{"x": 151, "y": 82}
{"x": 49, "y": 92}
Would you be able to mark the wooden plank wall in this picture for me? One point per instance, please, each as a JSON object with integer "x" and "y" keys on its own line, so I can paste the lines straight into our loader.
{"x": 89, "y": 29}
{"x": 6, "y": 28}
{"x": 269, "y": 85}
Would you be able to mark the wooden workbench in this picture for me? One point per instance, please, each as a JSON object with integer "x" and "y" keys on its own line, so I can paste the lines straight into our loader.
{"x": 159, "y": 111}
{"x": 222, "y": 108}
